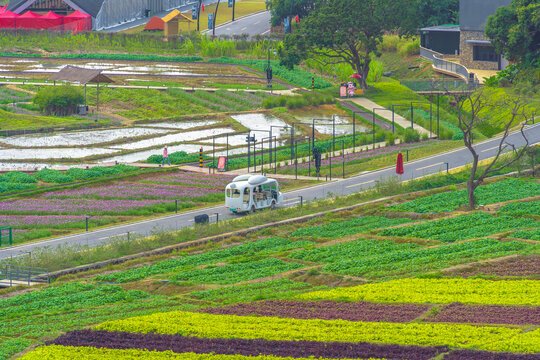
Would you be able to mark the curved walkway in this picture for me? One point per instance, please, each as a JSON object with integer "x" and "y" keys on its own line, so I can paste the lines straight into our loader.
{"x": 400, "y": 120}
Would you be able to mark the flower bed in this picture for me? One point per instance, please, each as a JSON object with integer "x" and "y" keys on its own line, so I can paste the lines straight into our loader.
{"x": 488, "y": 314}
{"x": 110, "y": 202}
{"x": 268, "y": 328}
{"x": 244, "y": 347}
{"x": 326, "y": 310}
{"x": 438, "y": 291}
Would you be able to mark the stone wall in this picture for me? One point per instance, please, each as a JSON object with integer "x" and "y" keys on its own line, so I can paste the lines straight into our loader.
{"x": 466, "y": 51}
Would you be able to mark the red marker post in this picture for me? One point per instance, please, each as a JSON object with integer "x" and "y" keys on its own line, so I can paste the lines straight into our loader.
{"x": 399, "y": 165}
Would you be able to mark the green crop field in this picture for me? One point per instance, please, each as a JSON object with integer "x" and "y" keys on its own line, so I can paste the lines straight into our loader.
{"x": 388, "y": 287}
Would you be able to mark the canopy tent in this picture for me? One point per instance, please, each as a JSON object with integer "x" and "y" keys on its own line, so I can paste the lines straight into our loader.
{"x": 78, "y": 21}
{"x": 8, "y": 19}
{"x": 51, "y": 20}
{"x": 155, "y": 23}
{"x": 28, "y": 20}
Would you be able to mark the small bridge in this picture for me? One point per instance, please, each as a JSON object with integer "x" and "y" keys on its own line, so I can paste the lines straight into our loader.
{"x": 13, "y": 275}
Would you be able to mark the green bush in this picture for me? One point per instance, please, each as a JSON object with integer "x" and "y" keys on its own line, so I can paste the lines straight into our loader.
{"x": 6, "y": 187}
{"x": 178, "y": 157}
{"x": 18, "y": 177}
{"x": 410, "y": 135}
{"x": 99, "y": 171}
{"x": 297, "y": 101}
{"x": 59, "y": 100}
{"x": 53, "y": 176}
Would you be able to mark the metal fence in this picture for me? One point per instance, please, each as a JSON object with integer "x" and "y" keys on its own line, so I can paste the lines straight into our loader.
{"x": 438, "y": 85}
{"x": 13, "y": 275}
{"x": 448, "y": 66}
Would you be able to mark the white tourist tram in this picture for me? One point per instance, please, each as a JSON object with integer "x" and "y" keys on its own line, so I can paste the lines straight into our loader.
{"x": 252, "y": 192}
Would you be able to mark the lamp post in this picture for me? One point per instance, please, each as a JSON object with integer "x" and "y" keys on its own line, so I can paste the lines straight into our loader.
{"x": 254, "y": 150}
{"x": 275, "y": 147}
{"x": 262, "y": 151}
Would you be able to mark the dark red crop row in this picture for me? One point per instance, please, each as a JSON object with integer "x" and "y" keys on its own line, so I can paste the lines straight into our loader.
{"x": 524, "y": 266}
{"x": 181, "y": 344}
{"x": 326, "y": 310}
{"x": 488, "y": 314}
{"x": 485, "y": 355}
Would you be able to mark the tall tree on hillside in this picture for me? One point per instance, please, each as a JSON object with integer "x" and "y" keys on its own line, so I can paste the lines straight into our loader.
{"x": 343, "y": 31}
{"x": 471, "y": 109}
{"x": 514, "y": 30}
{"x": 281, "y": 9}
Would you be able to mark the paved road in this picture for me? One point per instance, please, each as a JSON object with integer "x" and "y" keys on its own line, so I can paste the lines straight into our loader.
{"x": 252, "y": 25}
{"x": 137, "y": 22}
{"x": 414, "y": 169}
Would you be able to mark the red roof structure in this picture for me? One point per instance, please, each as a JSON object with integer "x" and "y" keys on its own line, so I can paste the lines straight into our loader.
{"x": 50, "y": 20}
{"x": 78, "y": 21}
{"x": 28, "y": 20}
{"x": 3, "y": 9}
{"x": 8, "y": 20}
{"x": 155, "y": 23}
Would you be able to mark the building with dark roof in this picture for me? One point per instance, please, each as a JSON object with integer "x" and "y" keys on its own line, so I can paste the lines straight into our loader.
{"x": 467, "y": 39}
{"x": 476, "y": 50}
{"x": 105, "y": 13}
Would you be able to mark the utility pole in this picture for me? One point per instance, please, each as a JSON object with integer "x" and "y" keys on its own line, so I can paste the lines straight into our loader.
{"x": 214, "y": 20}
{"x": 199, "y": 14}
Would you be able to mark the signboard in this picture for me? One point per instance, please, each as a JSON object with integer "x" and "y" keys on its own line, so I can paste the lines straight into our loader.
{"x": 230, "y": 3}
{"x": 210, "y": 21}
{"x": 342, "y": 91}
{"x": 194, "y": 10}
{"x": 221, "y": 163}
{"x": 287, "y": 25}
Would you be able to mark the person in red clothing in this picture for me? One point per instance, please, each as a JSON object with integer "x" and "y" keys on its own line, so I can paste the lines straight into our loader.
{"x": 165, "y": 156}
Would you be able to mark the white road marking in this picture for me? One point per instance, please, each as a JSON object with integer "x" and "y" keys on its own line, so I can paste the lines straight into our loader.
{"x": 425, "y": 167}
{"x": 258, "y": 22}
{"x": 364, "y": 183}
{"x": 493, "y": 148}
{"x": 244, "y": 28}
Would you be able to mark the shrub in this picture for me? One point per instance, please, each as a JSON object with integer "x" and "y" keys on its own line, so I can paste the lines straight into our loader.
{"x": 53, "y": 176}
{"x": 178, "y": 157}
{"x": 410, "y": 135}
{"x": 18, "y": 177}
{"x": 59, "y": 100}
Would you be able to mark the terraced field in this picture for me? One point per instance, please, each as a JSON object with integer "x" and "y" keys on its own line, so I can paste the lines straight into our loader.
{"x": 362, "y": 284}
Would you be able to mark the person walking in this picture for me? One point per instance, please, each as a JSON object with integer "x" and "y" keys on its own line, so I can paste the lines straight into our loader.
{"x": 165, "y": 156}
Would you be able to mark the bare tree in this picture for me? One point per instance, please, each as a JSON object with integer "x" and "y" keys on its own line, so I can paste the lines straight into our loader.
{"x": 478, "y": 105}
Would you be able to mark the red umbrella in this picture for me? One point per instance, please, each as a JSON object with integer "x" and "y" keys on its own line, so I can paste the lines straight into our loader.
{"x": 399, "y": 166}
{"x": 355, "y": 76}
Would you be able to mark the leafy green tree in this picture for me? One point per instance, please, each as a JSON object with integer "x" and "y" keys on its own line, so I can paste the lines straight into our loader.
{"x": 282, "y": 9}
{"x": 59, "y": 100}
{"x": 514, "y": 30}
{"x": 343, "y": 31}
{"x": 422, "y": 13}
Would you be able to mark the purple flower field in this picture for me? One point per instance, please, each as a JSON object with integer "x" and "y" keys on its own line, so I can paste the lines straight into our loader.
{"x": 113, "y": 201}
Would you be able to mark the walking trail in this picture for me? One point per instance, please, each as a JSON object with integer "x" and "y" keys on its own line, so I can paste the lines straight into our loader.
{"x": 400, "y": 120}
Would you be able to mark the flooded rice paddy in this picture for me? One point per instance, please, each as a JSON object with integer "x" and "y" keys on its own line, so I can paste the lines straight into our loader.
{"x": 79, "y": 137}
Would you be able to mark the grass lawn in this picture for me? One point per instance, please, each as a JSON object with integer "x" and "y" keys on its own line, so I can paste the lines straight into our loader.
{"x": 140, "y": 104}
{"x": 224, "y": 15}
{"x": 11, "y": 121}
